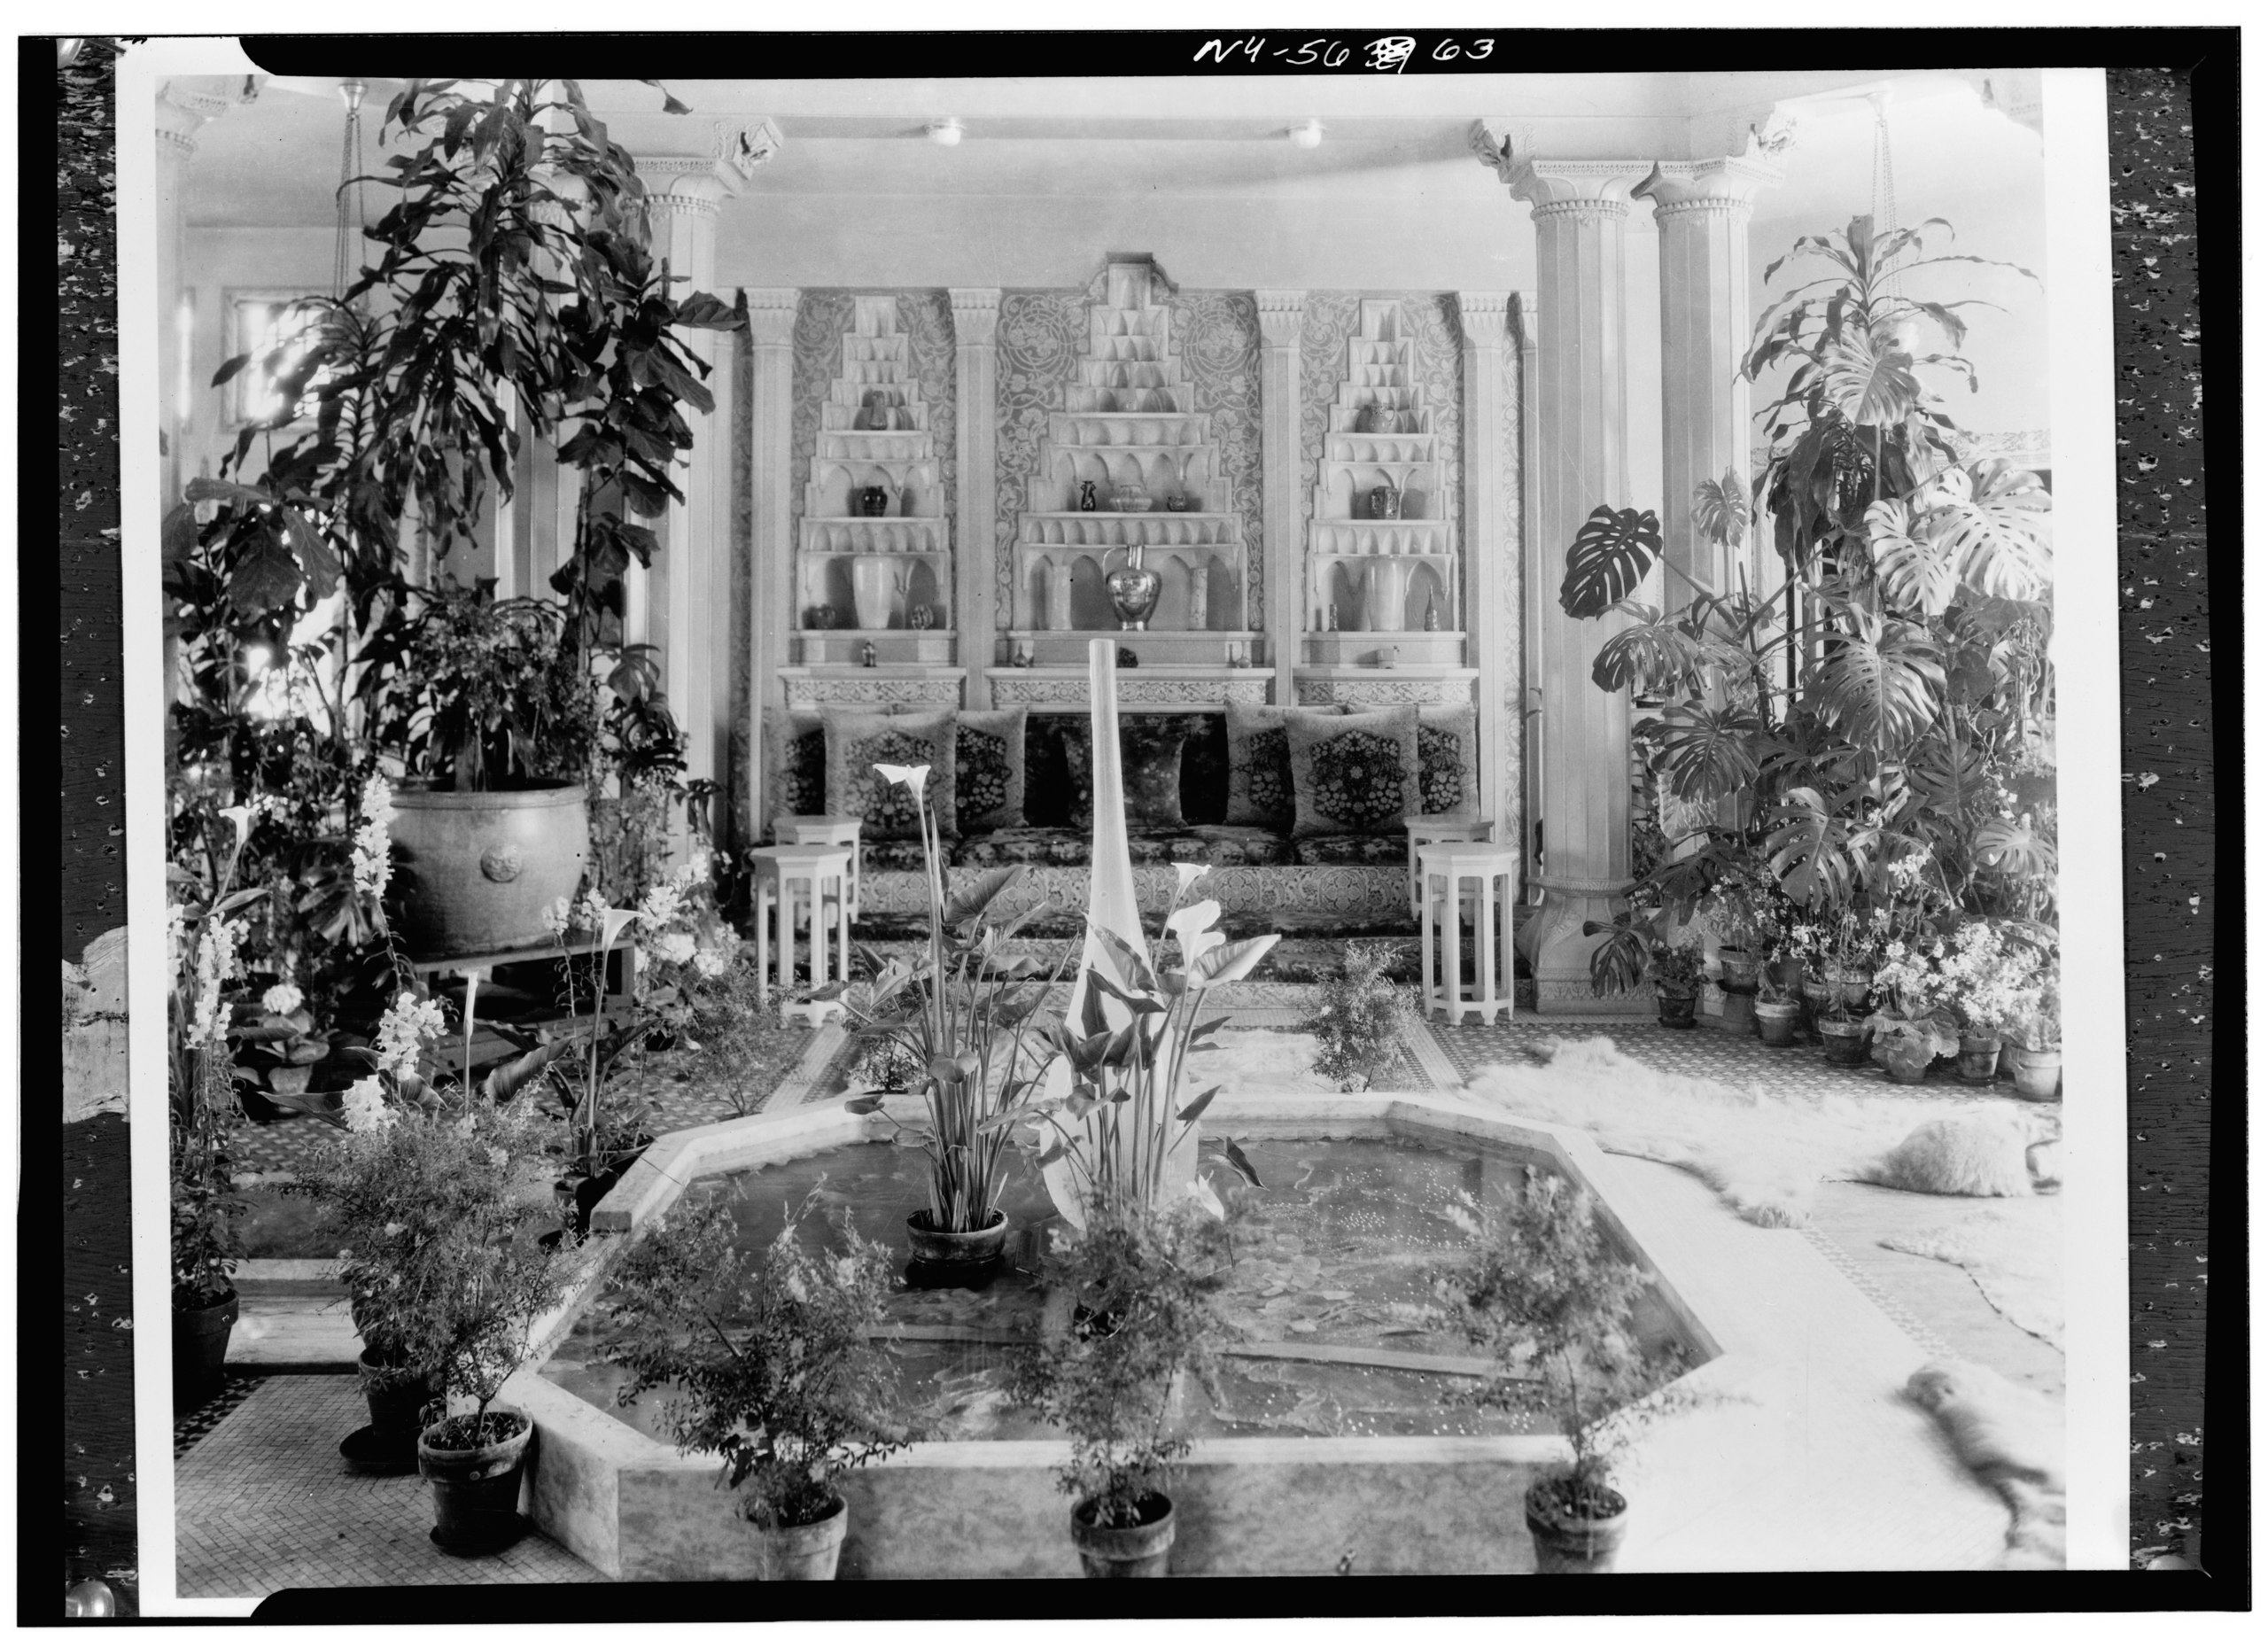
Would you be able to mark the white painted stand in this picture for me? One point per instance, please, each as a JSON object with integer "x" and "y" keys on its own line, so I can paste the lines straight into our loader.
{"x": 1438, "y": 829}
{"x": 823, "y": 872}
{"x": 1492, "y": 870}
{"x": 837, "y": 830}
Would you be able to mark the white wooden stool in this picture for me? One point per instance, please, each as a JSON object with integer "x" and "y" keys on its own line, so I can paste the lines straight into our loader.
{"x": 824, "y": 830}
{"x": 1438, "y": 829}
{"x": 823, "y": 872}
{"x": 1445, "y": 869}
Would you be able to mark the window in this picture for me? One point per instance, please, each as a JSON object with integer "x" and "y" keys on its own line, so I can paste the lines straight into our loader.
{"x": 274, "y": 326}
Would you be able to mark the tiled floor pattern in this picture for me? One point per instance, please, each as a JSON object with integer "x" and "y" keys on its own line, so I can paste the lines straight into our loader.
{"x": 265, "y": 1502}
{"x": 195, "y": 1425}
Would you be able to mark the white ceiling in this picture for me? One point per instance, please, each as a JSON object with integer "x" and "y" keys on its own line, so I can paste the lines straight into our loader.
{"x": 274, "y": 162}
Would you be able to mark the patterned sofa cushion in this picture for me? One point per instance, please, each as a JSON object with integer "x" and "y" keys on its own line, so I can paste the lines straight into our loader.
{"x": 1214, "y": 843}
{"x": 1353, "y": 773}
{"x": 989, "y": 769}
{"x": 856, "y": 743}
{"x": 1351, "y": 850}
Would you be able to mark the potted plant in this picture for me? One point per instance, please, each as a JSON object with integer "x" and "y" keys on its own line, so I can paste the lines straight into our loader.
{"x": 963, "y": 1015}
{"x": 1359, "y": 1013}
{"x": 1776, "y": 1012}
{"x": 772, "y": 1367}
{"x": 2035, "y": 1057}
{"x": 444, "y": 1204}
{"x": 1637, "y": 946}
{"x": 1546, "y": 1299}
{"x": 512, "y": 294}
{"x": 204, "y": 936}
{"x": 1136, "y": 1282}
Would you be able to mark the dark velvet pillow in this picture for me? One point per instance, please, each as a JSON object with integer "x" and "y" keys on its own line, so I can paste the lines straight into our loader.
{"x": 796, "y": 750}
{"x": 1353, "y": 773}
{"x": 1149, "y": 766}
{"x": 1260, "y": 765}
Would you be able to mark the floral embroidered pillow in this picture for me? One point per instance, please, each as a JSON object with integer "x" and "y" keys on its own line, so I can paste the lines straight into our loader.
{"x": 1353, "y": 773}
{"x": 856, "y": 743}
{"x": 1260, "y": 767}
{"x": 795, "y": 752}
{"x": 989, "y": 769}
{"x": 1448, "y": 760}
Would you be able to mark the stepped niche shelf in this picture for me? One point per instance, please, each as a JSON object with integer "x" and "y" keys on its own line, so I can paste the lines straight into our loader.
{"x": 1128, "y": 420}
{"x": 883, "y": 575}
{"x": 1380, "y": 566}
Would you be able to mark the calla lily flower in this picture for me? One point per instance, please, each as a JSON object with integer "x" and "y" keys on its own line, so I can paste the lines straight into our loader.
{"x": 1192, "y": 927}
{"x": 618, "y": 919}
{"x": 240, "y": 815}
{"x": 1185, "y": 874}
{"x": 913, "y": 776}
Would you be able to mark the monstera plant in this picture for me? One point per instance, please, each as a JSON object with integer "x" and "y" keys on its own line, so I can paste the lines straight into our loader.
{"x": 1891, "y": 709}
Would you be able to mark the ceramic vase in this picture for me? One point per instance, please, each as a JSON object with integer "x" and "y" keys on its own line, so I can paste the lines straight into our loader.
{"x": 875, "y": 584}
{"x": 1086, "y": 495}
{"x": 1386, "y": 592}
{"x": 1386, "y": 503}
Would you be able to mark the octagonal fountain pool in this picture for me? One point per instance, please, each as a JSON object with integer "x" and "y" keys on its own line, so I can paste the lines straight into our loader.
{"x": 1341, "y": 1427}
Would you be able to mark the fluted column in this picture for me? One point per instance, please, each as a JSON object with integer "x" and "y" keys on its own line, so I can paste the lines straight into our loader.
{"x": 1701, "y": 209}
{"x": 185, "y": 105}
{"x": 1533, "y": 580}
{"x": 1492, "y": 596}
{"x": 1282, "y": 459}
{"x": 1581, "y": 208}
{"x": 772, "y": 332}
{"x": 691, "y": 574}
{"x": 977, "y": 439}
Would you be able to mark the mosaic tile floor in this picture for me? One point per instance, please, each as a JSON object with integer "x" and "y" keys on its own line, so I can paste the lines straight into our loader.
{"x": 264, "y": 1502}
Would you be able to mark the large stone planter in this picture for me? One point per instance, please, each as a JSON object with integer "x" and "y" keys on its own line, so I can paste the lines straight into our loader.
{"x": 478, "y": 869}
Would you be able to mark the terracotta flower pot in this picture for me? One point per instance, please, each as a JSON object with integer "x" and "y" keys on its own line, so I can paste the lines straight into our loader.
{"x": 1980, "y": 1059}
{"x": 801, "y": 1551}
{"x": 1843, "y": 1041}
{"x": 2038, "y": 1072}
{"x": 1775, "y": 1021}
{"x": 1676, "y": 1009}
{"x": 1136, "y": 1550}
{"x": 964, "y": 1246}
{"x": 1569, "y": 1543}
{"x": 201, "y": 1348}
{"x": 476, "y": 1491}
{"x": 1740, "y": 1011}
{"x": 1736, "y": 973}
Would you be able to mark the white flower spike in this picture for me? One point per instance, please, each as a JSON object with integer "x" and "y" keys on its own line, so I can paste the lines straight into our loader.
{"x": 913, "y": 776}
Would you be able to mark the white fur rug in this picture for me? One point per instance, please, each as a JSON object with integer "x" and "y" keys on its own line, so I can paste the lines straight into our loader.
{"x": 2015, "y": 1254}
{"x": 1765, "y": 1156}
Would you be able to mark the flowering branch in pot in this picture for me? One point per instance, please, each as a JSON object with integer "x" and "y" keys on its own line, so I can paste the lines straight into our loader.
{"x": 772, "y": 1365}
{"x": 964, "y": 1016}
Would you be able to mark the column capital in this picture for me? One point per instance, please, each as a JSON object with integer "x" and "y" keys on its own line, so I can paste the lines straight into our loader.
{"x": 1575, "y": 186}
{"x": 1760, "y": 130}
{"x": 976, "y": 315}
{"x": 1727, "y": 185}
{"x": 772, "y": 314}
{"x": 1481, "y": 313}
{"x": 1523, "y": 318}
{"x": 679, "y": 184}
{"x": 187, "y": 104}
{"x": 1281, "y": 313}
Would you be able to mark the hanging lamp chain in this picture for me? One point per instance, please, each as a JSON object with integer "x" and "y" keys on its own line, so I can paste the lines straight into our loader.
{"x": 350, "y": 167}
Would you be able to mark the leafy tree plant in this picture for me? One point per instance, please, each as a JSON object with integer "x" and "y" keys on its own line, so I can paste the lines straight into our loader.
{"x": 1359, "y": 1012}
{"x": 1545, "y": 1297}
{"x": 1144, "y": 1280}
{"x": 768, "y": 1353}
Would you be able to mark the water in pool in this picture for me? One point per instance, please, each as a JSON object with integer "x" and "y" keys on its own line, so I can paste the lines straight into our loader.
{"x": 1327, "y": 1307}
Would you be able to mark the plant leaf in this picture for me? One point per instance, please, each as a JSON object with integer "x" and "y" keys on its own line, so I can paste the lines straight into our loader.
{"x": 1242, "y": 1163}
{"x": 1611, "y": 556}
{"x": 1881, "y": 685}
{"x": 1197, "y": 1106}
{"x": 1231, "y": 962}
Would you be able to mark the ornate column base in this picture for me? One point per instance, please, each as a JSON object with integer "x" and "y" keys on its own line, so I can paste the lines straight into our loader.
{"x": 1558, "y": 950}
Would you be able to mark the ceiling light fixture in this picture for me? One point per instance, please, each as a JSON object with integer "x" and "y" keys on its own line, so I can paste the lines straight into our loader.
{"x": 946, "y": 133}
{"x": 1309, "y": 135}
